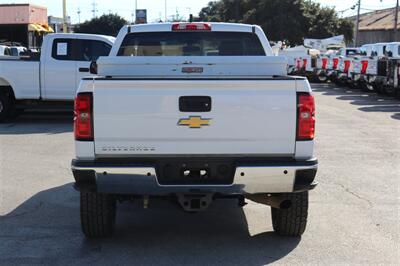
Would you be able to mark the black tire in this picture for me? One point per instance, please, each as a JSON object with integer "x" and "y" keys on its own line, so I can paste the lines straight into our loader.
{"x": 5, "y": 105}
{"x": 98, "y": 212}
{"x": 322, "y": 79}
{"x": 378, "y": 88}
{"x": 339, "y": 83}
{"x": 292, "y": 221}
{"x": 389, "y": 90}
{"x": 365, "y": 87}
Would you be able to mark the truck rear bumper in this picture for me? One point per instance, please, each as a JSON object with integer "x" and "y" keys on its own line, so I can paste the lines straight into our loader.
{"x": 144, "y": 179}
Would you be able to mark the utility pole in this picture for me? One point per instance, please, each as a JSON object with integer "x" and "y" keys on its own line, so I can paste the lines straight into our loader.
{"x": 396, "y": 18}
{"x": 79, "y": 15}
{"x": 94, "y": 10}
{"x": 135, "y": 11}
{"x": 165, "y": 6}
{"x": 358, "y": 23}
{"x": 237, "y": 10}
{"x": 65, "y": 26}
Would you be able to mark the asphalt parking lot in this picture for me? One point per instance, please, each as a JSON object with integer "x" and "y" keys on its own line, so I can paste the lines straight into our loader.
{"x": 354, "y": 212}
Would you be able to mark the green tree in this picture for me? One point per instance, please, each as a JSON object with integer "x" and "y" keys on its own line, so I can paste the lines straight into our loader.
{"x": 107, "y": 24}
{"x": 289, "y": 20}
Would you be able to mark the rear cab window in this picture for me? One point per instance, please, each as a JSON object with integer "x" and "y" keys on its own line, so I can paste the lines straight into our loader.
{"x": 79, "y": 49}
{"x": 91, "y": 50}
{"x": 191, "y": 44}
{"x": 351, "y": 52}
{"x": 62, "y": 49}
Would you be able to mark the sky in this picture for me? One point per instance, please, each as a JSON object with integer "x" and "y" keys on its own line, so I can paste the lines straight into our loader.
{"x": 156, "y": 10}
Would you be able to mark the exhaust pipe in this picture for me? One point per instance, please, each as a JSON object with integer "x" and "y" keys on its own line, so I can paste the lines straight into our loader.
{"x": 277, "y": 201}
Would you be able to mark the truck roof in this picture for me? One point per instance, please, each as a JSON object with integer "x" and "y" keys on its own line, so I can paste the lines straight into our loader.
{"x": 111, "y": 39}
{"x": 215, "y": 26}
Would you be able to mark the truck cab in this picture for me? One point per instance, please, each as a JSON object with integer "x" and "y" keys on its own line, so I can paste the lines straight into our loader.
{"x": 53, "y": 75}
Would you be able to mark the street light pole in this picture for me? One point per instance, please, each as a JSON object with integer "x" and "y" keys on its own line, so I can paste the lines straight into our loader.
{"x": 135, "y": 12}
{"x": 396, "y": 18}
{"x": 65, "y": 26}
{"x": 358, "y": 23}
{"x": 165, "y": 10}
{"x": 79, "y": 15}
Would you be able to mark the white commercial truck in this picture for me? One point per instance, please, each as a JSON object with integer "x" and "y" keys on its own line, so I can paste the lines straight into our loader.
{"x": 194, "y": 112}
{"x": 53, "y": 75}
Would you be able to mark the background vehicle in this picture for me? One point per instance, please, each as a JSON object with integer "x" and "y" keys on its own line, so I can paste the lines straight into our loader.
{"x": 358, "y": 70}
{"x": 17, "y": 50}
{"x": 324, "y": 62}
{"x": 393, "y": 62}
{"x": 162, "y": 120}
{"x": 376, "y": 71}
{"x": 294, "y": 56}
{"x": 4, "y": 50}
{"x": 346, "y": 60}
{"x": 51, "y": 76}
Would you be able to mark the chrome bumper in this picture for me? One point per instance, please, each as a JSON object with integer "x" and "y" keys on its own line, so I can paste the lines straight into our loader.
{"x": 143, "y": 180}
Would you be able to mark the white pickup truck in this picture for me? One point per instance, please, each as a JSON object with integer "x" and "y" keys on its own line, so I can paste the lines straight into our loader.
{"x": 194, "y": 112}
{"x": 52, "y": 76}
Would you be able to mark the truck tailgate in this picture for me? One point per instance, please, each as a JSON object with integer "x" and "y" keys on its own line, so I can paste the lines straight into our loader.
{"x": 143, "y": 117}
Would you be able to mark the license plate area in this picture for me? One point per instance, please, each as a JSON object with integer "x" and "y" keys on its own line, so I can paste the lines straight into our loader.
{"x": 195, "y": 173}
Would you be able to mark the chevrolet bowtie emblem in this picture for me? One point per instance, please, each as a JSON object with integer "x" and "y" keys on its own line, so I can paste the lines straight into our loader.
{"x": 194, "y": 122}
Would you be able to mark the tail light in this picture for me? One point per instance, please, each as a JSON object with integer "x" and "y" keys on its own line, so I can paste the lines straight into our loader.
{"x": 191, "y": 27}
{"x": 364, "y": 66}
{"x": 83, "y": 117}
{"x": 346, "y": 66}
{"x": 305, "y": 63}
{"x": 335, "y": 63}
{"x": 305, "y": 116}
{"x": 324, "y": 63}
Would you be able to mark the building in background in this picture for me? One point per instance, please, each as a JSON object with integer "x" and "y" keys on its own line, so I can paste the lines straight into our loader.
{"x": 23, "y": 23}
{"x": 377, "y": 26}
{"x": 56, "y": 23}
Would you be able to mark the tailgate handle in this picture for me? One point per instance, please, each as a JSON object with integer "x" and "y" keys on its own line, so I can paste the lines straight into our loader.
{"x": 84, "y": 69}
{"x": 195, "y": 103}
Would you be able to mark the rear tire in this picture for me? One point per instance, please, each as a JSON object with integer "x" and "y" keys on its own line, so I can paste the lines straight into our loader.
{"x": 365, "y": 87}
{"x": 378, "y": 88}
{"x": 322, "y": 79}
{"x": 292, "y": 221}
{"x": 389, "y": 90}
{"x": 98, "y": 212}
{"x": 5, "y": 106}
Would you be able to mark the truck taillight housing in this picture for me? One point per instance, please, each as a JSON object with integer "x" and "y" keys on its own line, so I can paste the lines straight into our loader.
{"x": 191, "y": 27}
{"x": 364, "y": 66}
{"x": 324, "y": 63}
{"x": 335, "y": 63}
{"x": 305, "y": 61}
{"x": 83, "y": 117}
{"x": 305, "y": 116}
{"x": 346, "y": 66}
